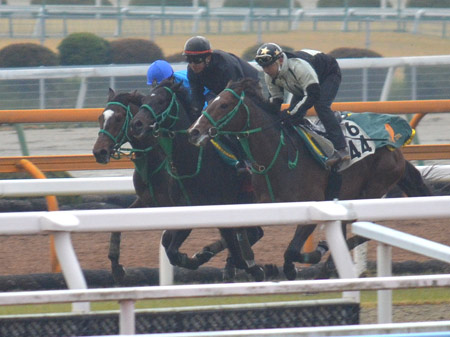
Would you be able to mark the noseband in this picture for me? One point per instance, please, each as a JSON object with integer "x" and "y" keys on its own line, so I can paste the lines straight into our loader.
{"x": 161, "y": 118}
{"x": 218, "y": 126}
{"x": 122, "y": 137}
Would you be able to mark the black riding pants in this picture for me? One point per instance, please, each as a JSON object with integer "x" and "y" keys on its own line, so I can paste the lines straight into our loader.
{"x": 328, "y": 90}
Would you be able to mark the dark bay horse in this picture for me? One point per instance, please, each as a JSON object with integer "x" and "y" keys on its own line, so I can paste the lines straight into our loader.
{"x": 202, "y": 175}
{"x": 272, "y": 147}
{"x": 150, "y": 179}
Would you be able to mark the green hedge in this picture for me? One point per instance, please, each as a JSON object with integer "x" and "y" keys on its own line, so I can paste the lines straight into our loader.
{"x": 84, "y": 49}
{"x": 27, "y": 55}
{"x": 132, "y": 51}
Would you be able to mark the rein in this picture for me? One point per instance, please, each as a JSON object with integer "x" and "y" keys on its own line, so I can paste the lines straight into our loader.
{"x": 140, "y": 163}
{"x": 243, "y": 139}
{"x": 165, "y": 137}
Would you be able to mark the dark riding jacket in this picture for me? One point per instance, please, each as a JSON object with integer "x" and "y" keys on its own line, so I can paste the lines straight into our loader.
{"x": 222, "y": 68}
{"x": 301, "y": 74}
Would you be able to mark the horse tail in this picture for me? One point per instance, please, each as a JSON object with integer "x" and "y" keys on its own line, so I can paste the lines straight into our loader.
{"x": 412, "y": 183}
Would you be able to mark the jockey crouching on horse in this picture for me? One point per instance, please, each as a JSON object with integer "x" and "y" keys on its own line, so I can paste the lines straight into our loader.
{"x": 313, "y": 78}
{"x": 161, "y": 70}
{"x": 213, "y": 69}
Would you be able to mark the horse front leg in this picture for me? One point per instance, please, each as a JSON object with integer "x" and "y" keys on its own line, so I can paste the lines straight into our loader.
{"x": 117, "y": 270}
{"x": 241, "y": 252}
{"x": 172, "y": 241}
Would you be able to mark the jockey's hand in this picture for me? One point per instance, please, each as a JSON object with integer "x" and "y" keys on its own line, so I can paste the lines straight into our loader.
{"x": 284, "y": 115}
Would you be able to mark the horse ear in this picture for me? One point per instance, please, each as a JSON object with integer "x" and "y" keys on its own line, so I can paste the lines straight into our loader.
{"x": 111, "y": 94}
{"x": 229, "y": 83}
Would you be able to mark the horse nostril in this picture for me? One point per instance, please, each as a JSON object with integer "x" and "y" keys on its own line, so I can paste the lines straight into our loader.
{"x": 194, "y": 133}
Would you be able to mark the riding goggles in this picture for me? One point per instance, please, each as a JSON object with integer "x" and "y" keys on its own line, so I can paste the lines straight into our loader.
{"x": 264, "y": 60}
{"x": 195, "y": 59}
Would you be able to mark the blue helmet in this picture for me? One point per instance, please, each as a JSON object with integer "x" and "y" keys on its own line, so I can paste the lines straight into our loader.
{"x": 159, "y": 71}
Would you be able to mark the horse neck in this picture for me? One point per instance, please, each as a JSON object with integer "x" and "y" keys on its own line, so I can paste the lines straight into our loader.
{"x": 263, "y": 145}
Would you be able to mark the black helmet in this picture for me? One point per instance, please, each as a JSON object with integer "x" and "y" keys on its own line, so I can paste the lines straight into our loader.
{"x": 268, "y": 53}
{"x": 196, "y": 46}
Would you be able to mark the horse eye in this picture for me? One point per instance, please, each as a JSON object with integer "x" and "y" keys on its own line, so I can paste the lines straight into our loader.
{"x": 224, "y": 105}
{"x": 118, "y": 118}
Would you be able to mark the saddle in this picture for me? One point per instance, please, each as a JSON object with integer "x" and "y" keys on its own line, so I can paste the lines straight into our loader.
{"x": 364, "y": 133}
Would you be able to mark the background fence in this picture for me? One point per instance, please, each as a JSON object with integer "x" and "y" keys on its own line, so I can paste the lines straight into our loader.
{"x": 41, "y": 22}
{"x": 366, "y": 79}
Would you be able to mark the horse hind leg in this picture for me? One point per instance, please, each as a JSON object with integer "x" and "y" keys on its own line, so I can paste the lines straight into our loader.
{"x": 412, "y": 183}
{"x": 293, "y": 251}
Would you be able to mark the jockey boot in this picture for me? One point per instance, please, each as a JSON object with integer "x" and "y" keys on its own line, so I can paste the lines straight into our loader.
{"x": 338, "y": 156}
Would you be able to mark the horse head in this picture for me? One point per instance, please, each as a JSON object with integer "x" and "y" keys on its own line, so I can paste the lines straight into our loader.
{"x": 161, "y": 112}
{"x": 114, "y": 122}
{"x": 228, "y": 113}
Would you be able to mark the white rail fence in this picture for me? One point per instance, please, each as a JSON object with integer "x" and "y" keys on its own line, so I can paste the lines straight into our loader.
{"x": 128, "y": 296}
{"x": 49, "y": 89}
{"x": 330, "y": 213}
{"x": 124, "y": 185}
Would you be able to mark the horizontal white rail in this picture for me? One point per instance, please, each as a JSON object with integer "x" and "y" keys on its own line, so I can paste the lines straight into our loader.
{"x": 226, "y": 216}
{"x": 402, "y": 240}
{"x": 66, "y": 186}
{"x": 124, "y": 185}
{"x": 138, "y": 70}
{"x": 223, "y": 290}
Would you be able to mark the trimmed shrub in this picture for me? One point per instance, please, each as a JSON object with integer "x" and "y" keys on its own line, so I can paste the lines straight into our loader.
{"x": 250, "y": 52}
{"x": 166, "y": 3}
{"x": 84, "y": 49}
{"x": 132, "y": 51}
{"x": 70, "y": 2}
{"x": 344, "y": 53}
{"x": 27, "y": 55}
{"x": 351, "y": 89}
{"x": 350, "y": 3}
{"x": 429, "y": 3}
{"x": 259, "y": 3}
{"x": 174, "y": 58}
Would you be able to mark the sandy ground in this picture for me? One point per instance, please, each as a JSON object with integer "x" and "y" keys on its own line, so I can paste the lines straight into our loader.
{"x": 31, "y": 254}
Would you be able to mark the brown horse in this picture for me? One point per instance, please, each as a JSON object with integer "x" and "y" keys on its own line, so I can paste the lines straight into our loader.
{"x": 202, "y": 175}
{"x": 273, "y": 147}
{"x": 151, "y": 181}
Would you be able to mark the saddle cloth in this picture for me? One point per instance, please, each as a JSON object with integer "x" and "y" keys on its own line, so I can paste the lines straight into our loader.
{"x": 364, "y": 132}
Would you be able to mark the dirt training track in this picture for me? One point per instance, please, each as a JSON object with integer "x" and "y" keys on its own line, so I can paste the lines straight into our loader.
{"x": 31, "y": 254}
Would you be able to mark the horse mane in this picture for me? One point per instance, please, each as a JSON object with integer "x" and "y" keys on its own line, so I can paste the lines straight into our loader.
{"x": 180, "y": 91}
{"x": 126, "y": 98}
{"x": 253, "y": 91}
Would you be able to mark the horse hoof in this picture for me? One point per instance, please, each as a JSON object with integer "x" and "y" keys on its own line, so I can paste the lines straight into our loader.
{"x": 203, "y": 257}
{"x": 258, "y": 273}
{"x": 290, "y": 271}
{"x": 293, "y": 256}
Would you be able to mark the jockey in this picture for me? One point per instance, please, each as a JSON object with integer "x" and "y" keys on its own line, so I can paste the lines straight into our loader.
{"x": 161, "y": 70}
{"x": 212, "y": 69}
{"x": 313, "y": 78}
